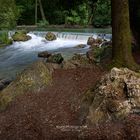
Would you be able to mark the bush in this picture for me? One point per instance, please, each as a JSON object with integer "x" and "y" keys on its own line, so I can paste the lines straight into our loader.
{"x": 79, "y": 16}
{"x": 4, "y": 39}
{"x": 42, "y": 23}
{"x": 102, "y": 16}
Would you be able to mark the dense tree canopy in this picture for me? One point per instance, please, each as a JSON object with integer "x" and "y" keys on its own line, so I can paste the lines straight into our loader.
{"x": 84, "y": 12}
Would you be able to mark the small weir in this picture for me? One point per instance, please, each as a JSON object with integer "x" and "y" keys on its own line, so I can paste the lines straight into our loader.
{"x": 19, "y": 55}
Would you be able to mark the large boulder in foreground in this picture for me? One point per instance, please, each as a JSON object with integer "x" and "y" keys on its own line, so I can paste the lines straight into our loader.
{"x": 21, "y": 36}
{"x": 50, "y": 36}
{"x": 115, "y": 97}
{"x": 33, "y": 79}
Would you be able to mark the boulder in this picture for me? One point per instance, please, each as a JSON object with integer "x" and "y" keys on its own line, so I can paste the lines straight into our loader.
{"x": 56, "y": 58}
{"x": 91, "y": 55}
{"x": 21, "y": 36}
{"x": 50, "y": 36}
{"x": 4, "y": 83}
{"x": 100, "y": 54}
{"x": 38, "y": 76}
{"x": 2, "y": 86}
{"x": 91, "y": 41}
{"x": 115, "y": 97}
{"x": 78, "y": 60}
{"x": 44, "y": 54}
{"x": 98, "y": 41}
{"x": 106, "y": 44}
{"x": 94, "y": 46}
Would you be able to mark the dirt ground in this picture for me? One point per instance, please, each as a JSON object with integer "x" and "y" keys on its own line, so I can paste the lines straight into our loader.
{"x": 53, "y": 114}
{"x": 41, "y": 115}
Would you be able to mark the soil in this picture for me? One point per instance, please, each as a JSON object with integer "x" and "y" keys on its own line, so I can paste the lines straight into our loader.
{"x": 54, "y": 114}
{"x": 43, "y": 114}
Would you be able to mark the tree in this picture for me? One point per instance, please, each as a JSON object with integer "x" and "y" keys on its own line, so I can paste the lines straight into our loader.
{"x": 122, "y": 51}
{"x": 42, "y": 11}
{"x": 9, "y": 13}
{"x": 36, "y": 11}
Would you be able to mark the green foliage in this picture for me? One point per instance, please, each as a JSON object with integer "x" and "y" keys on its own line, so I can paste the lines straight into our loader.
{"x": 43, "y": 23}
{"x": 59, "y": 16}
{"x": 9, "y": 14}
{"x": 4, "y": 39}
{"x": 79, "y": 16}
{"x": 102, "y": 16}
{"x": 72, "y": 12}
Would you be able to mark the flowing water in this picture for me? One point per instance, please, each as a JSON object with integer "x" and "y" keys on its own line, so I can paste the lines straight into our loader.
{"x": 19, "y": 55}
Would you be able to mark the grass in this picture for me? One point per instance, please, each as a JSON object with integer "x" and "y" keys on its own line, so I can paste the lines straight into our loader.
{"x": 4, "y": 39}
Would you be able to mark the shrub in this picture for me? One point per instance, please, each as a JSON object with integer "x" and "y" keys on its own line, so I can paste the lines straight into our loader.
{"x": 102, "y": 16}
{"x": 43, "y": 23}
{"x": 4, "y": 39}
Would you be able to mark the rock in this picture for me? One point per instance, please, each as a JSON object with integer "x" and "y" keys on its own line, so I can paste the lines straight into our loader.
{"x": 91, "y": 41}
{"x": 33, "y": 79}
{"x": 78, "y": 60}
{"x": 2, "y": 86}
{"x": 44, "y": 54}
{"x": 21, "y": 36}
{"x": 98, "y": 41}
{"x": 106, "y": 44}
{"x": 91, "y": 55}
{"x": 94, "y": 46}
{"x": 56, "y": 58}
{"x": 50, "y": 36}
{"x": 80, "y": 46}
{"x": 100, "y": 54}
{"x": 114, "y": 97}
{"x": 4, "y": 83}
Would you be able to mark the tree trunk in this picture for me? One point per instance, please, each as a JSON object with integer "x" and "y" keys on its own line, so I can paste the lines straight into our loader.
{"x": 36, "y": 4}
{"x": 42, "y": 11}
{"x": 135, "y": 21}
{"x": 122, "y": 51}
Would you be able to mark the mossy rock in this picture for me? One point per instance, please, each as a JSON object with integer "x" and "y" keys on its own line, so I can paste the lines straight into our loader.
{"x": 56, "y": 58}
{"x": 78, "y": 60}
{"x": 50, "y": 36}
{"x": 33, "y": 79}
{"x": 21, "y": 36}
{"x": 91, "y": 41}
{"x": 44, "y": 54}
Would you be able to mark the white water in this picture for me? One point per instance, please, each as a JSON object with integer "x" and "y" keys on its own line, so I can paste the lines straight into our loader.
{"x": 38, "y": 43}
{"x": 19, "y": 55}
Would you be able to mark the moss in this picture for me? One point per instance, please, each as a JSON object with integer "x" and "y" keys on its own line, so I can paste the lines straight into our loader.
{"x": 21, "y": 36}
{"x": 4, "y": 39}
{"x": 88, "y": 97}
{"x": 35, "y": 78}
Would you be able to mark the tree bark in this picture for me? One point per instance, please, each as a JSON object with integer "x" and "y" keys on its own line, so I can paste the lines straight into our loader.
{"x": 36, "y": 5}
{"x": 122, "y": 51}
{"x": 42, "y": 11}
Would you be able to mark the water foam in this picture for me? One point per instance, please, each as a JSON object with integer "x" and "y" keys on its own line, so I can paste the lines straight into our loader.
{"x": 38, "y": 43}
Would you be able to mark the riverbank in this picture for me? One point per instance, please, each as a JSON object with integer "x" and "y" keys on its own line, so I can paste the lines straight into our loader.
{"x": 55, "y": 112}
{"x": 65, "y": 28}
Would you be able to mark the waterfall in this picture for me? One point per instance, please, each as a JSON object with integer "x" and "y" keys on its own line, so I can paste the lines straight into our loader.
{"x": 75, "y": 36}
